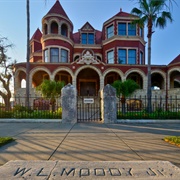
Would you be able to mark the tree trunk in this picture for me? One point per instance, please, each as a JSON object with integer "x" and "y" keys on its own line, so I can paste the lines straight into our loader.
{"x": 27, "y": 54}
{"x": 149, "y": 92}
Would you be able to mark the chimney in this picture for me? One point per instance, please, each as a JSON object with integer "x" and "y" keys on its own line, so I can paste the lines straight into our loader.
{"x": 120, "y": 9}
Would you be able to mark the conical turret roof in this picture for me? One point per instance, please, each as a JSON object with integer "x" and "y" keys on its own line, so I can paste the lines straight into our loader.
{"x": 57, "y": 9}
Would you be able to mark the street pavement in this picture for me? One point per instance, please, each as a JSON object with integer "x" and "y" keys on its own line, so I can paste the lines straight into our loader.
{"x": 90, "y": 142}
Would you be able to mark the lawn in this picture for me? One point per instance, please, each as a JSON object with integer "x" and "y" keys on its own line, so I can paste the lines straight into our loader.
{"x": 5, "y": 140}
{"x": 173, "y": 140}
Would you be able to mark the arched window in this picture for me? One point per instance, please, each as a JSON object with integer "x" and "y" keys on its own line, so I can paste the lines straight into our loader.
{"x": 23, "y": 83}
{"x": 54, "y": 28}
{"x": 45, "y": 29}
{"x": 64, "y": 30}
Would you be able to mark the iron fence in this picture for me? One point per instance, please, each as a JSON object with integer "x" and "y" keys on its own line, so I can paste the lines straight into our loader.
{"x": 39, "y": 108}
{"x": 161, "y": 108}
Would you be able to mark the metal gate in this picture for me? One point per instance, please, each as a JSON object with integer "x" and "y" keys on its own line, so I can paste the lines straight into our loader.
{"x": 88, "y": 109}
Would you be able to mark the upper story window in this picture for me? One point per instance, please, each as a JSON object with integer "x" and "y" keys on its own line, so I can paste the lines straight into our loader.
{"x": 110, "y": 31}
{"x": 122, "y": 54}
{"x": 110, "y": 57}
{"x": 46, "y": 57}
{"x": 64, "y": 56}
{"x": 141, "y": 58}
{"x": 131, "y": 29}
{"x": 131, "y": 56}
{"x": 122, "y": 29}
{"x": 54, "y": 28}
{"x": 141, "y": 32}
{"x": 64, "y": 30}
{"x": 127, "y": 56}
{"x": 54, "y": 55}
{"x": 87, "y": 38}
{"x": 45, "y": 28}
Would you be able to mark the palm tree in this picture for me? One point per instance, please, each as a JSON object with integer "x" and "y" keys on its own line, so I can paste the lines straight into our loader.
{"x": 27, "y": 53}
{"x": 51, "y": 90}
{"x": 153, "y": 13}
{"x": 124, "y": 89}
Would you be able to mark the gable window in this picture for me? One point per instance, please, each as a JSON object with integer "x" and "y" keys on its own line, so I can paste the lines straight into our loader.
{"x": 122, "y": 54}
{"x": 54, "y": 54}
{"x": 110, "y": 57}
{"x": 64, "y": 56}
{"x": 131, "y": 29}
{"x": 46, "y": 58}
{"x": 110, "y": 31}
{"x": 87, "y": 38}
{"x": 122, "y": 29}
{"x": 131, "y": 56}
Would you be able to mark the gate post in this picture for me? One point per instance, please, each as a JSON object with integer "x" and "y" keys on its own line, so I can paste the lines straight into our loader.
{"x": 109, "y": 104}
{"x": 69, "y": 102}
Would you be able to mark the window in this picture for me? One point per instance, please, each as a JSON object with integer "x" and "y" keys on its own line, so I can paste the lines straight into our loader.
{"x": 87, "y": 38}
{"x": 122, "y": 56}
{"x": 141, "y": 32}
{"x": 54, "y": 52}
{"x": 64, "y": 30}
{"x": 141, "y": 59}
{"x": 122, "y": 29}
{"x": 131, "y": 29}
{"x": 46, "y": 58}
{"x": 45, "y": 28}
{"x": 90, "y": 38}
{"x": 131, "y": 56}
{"x": 110, "y": 57}
{"x": 110, "y": 31}
{"x": 64, "y": 56}
{"x": 54, "y": 28}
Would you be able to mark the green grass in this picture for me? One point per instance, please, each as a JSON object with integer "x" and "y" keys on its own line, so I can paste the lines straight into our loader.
{"x": 173, "y": 140}
{"x": 5, "y": 140}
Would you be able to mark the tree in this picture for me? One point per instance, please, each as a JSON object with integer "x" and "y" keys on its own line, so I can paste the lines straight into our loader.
{"x": 51, "y": 90}
{"x": 6, "y": 73}
{"x": 154, "y": 13}
{"x": 124, "y": 89}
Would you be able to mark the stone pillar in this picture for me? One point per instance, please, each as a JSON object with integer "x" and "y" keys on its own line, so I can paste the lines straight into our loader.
{"x": 109, "y": 104}
{"x": 69, "y": 104}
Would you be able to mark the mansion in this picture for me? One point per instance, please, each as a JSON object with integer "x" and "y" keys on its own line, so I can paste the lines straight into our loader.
{"x": 89, "y": 59}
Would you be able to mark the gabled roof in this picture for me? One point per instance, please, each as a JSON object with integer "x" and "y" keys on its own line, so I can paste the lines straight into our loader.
{"x": 87, "y": 27}
{"x": 57, "y": 9}
{"x": 37, "y": 35}
{"x": 176, "y": 60}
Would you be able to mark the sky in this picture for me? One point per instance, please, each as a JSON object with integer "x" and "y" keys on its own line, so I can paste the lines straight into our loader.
{"x": 165, "y": 43}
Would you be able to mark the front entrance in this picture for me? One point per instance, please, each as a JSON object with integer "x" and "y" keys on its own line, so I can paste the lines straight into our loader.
{"x": 88, "y": 109}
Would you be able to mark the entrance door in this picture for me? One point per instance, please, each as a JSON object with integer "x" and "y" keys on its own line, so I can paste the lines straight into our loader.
{"x": 87, "y": 88}
{"x": 88, "y": 109}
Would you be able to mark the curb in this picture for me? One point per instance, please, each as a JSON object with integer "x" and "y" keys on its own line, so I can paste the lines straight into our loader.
{"x": 164, "y": 121}
{"x": 30, "y": 120}
{"x": 119, "y": 121}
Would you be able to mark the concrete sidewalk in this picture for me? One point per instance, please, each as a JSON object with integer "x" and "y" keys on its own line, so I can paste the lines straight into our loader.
{"x": 89, "y": 142}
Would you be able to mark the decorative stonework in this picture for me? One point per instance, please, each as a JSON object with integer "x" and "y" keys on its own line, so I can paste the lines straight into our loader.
{"x": 87, "y": 58}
